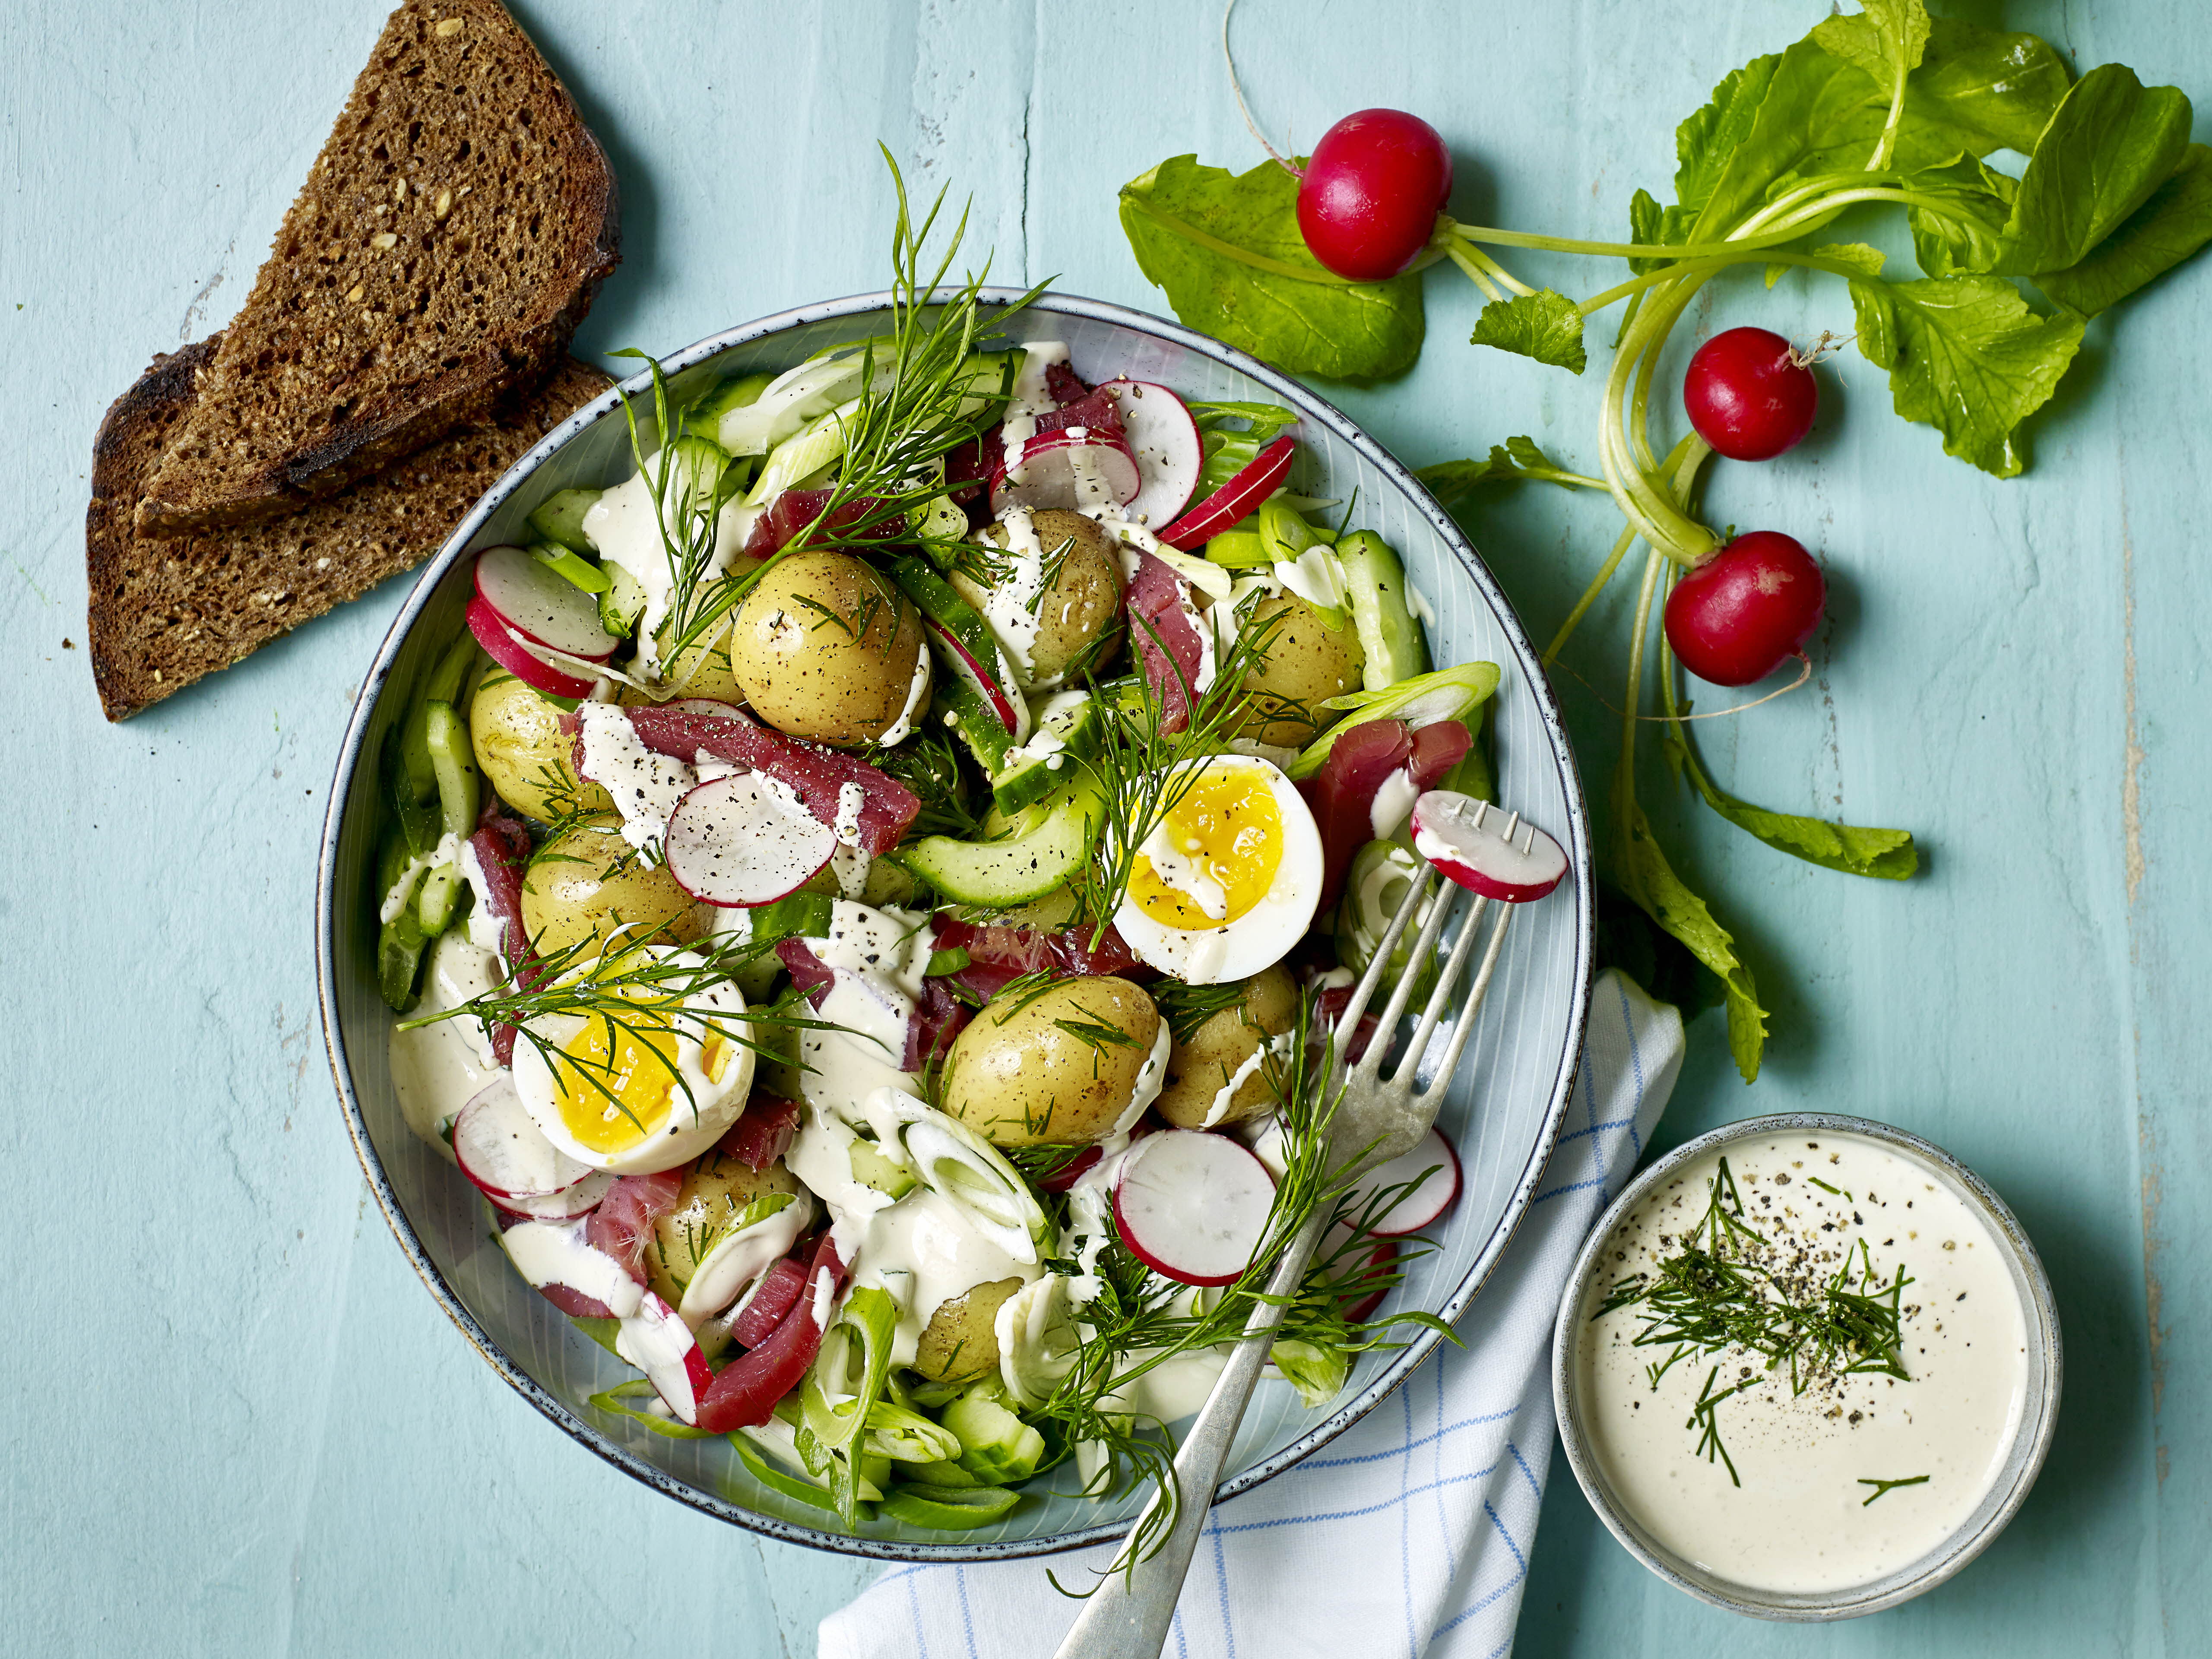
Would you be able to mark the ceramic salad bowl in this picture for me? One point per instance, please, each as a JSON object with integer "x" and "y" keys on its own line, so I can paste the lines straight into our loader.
{"x": 1503, "y": 1111}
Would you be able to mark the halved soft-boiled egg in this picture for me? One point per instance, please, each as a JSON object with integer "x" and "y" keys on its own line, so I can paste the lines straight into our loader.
{"x": 640, "y": 1079}
{"x": 1227, "y": 880}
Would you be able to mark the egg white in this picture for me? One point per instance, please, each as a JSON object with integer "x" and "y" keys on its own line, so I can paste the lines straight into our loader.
{"x": 692, "y": 1124}
{"x": 1263, "y": 935}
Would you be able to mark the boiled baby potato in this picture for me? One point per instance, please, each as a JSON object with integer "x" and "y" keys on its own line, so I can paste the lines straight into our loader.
{"x": 1081, "y": 606}
{"x": 826, "y": 647}
{"x": 524, "y": 755}
{"x": 1302, "y": 661}
{"x": 587, "y": 881}
{"x": 715, "y": 1192}
{"x": 962, "y": 1338}
{"x": 1201, "y": 1067}
{"x": 1059, "y": 1064}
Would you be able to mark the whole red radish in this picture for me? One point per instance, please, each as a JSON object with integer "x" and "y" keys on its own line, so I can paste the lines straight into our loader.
{"x": 1749, "y": 394}
{"x": 1747, "y": 610}
{"x": 1369, "y": 200}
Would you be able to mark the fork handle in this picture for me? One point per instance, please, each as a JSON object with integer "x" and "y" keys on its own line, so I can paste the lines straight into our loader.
{"x": 1128, "y": 1614}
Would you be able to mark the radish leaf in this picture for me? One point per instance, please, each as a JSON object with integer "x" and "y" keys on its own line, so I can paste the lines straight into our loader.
{"x": 1888, "y": 855}
{"x": 1959, "y": 215}
{"x": 1545, "y": 325}
{"x": 2112, "y": 143}
{"x": 1452, "y": 482}
{"x": 2164, "y": 231}
{"x": 1967, "y": 356}
{"x": 1648, "y": 878}
{"x": 1979, "y": 90}
{"x": 1226, "y": 248}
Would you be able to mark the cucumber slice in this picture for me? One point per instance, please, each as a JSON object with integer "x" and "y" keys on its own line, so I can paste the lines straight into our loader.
{"x": 1050, "y": 846}
{"x": 571, "y": 566}
{"x": 1239, "y": 550}
{"x": 1375, "y": 586}
{"x": 1067, "y": 734}
{"x": 704, "y": 418}
{"x": 560, "y": 518}
{"x": 995, "y": 1444}
{"x": 454, "y": 765}
{"x": 964, "y": 644}
{"x": 871, "y": 1169}
{"x": 623, "y": 603}
{"x": 803, "y": 915}
{"x": 947, "y": 1509}
{"x": 437, "y": 898}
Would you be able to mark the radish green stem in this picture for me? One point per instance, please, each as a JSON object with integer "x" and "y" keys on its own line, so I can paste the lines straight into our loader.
{"x": 1704, "y": 268}
{"x": 1459, "y": 256}
{"x": 1498, "y": 271}
{"x": 1606, "y": 250}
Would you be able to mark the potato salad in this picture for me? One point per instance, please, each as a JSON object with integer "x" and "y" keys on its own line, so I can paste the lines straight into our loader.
{"x": 862, "y": 893}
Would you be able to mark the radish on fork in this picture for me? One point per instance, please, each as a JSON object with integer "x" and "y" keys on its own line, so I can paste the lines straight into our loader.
{"x": 1376, "y": 1120}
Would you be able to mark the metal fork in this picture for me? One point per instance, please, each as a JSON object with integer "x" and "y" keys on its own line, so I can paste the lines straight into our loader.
{"x": 1128, "y": 1613}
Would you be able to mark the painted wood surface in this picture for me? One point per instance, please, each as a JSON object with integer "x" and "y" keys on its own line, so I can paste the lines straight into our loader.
{"x": 238, "y": 1425}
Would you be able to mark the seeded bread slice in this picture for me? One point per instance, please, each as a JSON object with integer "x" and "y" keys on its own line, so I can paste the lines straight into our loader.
{"x": 166, "y": 611}
{"x": 445, "y": 245}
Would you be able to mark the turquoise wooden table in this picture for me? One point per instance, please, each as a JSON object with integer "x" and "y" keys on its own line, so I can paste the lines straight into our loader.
{"x": 238, "y": 1423}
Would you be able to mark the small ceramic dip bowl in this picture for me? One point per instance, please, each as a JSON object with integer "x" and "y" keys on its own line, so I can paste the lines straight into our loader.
{"x": 1806, "y": 1367}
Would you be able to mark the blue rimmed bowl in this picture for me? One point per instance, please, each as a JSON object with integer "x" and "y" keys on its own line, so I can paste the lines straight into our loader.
{"x": 1502, "y": 1110}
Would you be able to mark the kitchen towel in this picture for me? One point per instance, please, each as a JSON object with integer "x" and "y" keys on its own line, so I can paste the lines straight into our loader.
{"x": 1409, "y": 1534}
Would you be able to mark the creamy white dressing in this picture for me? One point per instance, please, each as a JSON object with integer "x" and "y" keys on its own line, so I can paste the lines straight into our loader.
{"x": 1029, "y": 398}
{"x": 486, "y": 931}
{"x": 1800, "y": 1522}
{"x": 917, "y": 693}
{"x": 624, "y": 525}
{"x": 924, "y": 1251}
{"x": 1011, "y": 604}
{"x": 554, "y": 1253}
{"x": 849, "y": 861}
{"x": 645, "y": 787}
{"x": 1316, "y": 576}
{"x": 404, "y": 886}
{"x": 738, "y": 1261}
{"x": 1392, "y": 807}
{"x": 437, "y": 1069}
{"x": 878, "y": 959}
{"x": 1225, "y": 1096}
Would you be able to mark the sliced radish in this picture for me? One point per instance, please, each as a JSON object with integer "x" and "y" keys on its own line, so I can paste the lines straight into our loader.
{"x": 507, "y": 648}
{"x": 566, "y": 1205}
{"x": 1165, "y": 440}
{"x": 1468, "y": 840}
{"x": 556, "y": 1253}
{"x": 991, "y": 687}
{"x": 502, "y": 1151}
{"x": 1253, "y": 483}
{"x": 1437, "y": 1191}
{"x": 1193, "y": 1206}
{"x": 740, "y": 841}
{"x": 541, "y": 605}
{"x": 658, "y": 1342}
{"x": 1072, "y": 468}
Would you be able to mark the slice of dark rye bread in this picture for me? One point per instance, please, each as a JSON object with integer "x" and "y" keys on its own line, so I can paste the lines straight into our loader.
{"x": 165, "y": 611}
{"x": 448, "y": 240}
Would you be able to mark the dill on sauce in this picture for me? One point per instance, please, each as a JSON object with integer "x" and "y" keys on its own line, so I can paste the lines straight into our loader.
{"x": 1730, "y": 1288}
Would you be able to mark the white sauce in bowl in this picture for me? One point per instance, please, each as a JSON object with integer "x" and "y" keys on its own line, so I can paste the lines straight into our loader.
{"x": 1801, "y": 1522}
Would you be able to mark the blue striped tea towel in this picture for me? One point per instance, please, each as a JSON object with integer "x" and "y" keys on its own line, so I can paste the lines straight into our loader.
{"x": 1407, "y": 1535}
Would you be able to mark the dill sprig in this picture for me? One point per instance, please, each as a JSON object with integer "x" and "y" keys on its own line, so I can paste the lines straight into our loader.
{"x": 1186, "y": 1007}
{"x": 919, "y": 399}
{"x": 1725, "y": 1290}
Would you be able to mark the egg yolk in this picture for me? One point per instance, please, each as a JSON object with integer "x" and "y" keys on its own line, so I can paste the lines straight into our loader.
{"x": 614, "y": 1084}
{"x": 1216, "y": 849}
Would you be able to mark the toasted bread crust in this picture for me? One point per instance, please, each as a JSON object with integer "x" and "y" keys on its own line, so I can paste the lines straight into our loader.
{"x": 163, "y": 611}
{"x": 447, "y": 241}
